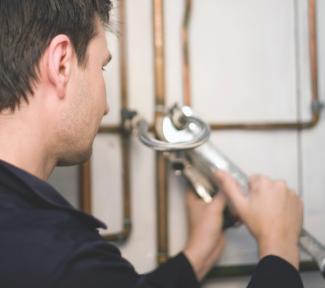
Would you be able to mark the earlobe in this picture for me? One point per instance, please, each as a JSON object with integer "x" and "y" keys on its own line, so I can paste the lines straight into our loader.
{"x": 60, "y": 57}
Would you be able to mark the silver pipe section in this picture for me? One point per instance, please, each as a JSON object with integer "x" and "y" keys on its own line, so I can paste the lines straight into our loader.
{"x": 208, "y": 159}
{"x": 314, "y": 248}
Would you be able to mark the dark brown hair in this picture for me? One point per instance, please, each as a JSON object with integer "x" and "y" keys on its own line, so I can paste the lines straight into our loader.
{"x": 27, "y": 28}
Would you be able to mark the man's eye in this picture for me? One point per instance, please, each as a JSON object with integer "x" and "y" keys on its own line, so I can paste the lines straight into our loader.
{"x": 104, "y": 68}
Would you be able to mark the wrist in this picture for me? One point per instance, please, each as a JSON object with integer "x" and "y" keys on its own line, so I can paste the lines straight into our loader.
{"x": 196, "y": 261}
{"x": 287, "y": 250}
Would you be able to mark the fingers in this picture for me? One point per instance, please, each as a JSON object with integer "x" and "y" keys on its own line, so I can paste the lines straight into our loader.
{"x": 218, "y": 202}
{"x": 232, "y": 191}
{"x": 256, "y": 182}
{"x": 192, "y": 199}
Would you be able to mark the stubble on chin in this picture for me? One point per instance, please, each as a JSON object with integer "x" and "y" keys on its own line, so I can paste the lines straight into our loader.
{"x": 75, "y": 159}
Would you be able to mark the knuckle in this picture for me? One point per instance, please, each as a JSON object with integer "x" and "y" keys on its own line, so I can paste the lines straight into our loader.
{"x": 265, "y": 180}
{"x": 255, "y": 180}
{"x": 281, "y": 184}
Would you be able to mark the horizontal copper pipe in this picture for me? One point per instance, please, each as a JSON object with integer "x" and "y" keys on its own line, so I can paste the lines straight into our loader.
{"x": 268, "y": 126}
{"x": 115, "y": 129}
{"x": 239, "y": 126}
{"x": 110, "y": 129}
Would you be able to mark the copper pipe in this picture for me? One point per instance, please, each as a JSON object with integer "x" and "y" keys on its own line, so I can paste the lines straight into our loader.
{"x": 85, "y": 170}
{"x": 186, "y": 54}
{"x": 313, "y": 51}
{"x": 111, "y": 129}
{"x": 268, "y": 126}
{"x": 161, "y": 165}
{"x": 159, "y": 45}
{"x": 123, "y": 54}
{"x": 162, "y": 207}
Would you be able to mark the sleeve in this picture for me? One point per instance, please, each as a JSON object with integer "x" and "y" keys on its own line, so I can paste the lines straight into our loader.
{"x": 273, "y": 271}
{"x": 177, "y": 272}
{"x": 102, "y": 266}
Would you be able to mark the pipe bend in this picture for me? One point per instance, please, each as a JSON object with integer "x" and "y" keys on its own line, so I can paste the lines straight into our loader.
{"x": 200, "y": 138}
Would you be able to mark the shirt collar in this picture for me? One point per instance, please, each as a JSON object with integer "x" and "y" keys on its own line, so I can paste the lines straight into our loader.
{"x": 43, "y": 191}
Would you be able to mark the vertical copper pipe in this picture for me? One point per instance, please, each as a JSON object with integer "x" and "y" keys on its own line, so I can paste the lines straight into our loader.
{"x": 159, "y": 52}
{"x": 314, "y": 58}
{"x": 161, "y": 165}
{"x": 123, "y": 54}
{"x": 186, "y": 54}
{"x": 162, "y": 208}
{"x": 313, "y": 46}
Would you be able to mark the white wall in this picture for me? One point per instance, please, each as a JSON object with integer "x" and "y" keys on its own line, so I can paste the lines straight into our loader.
{"x": 249, "y": 63}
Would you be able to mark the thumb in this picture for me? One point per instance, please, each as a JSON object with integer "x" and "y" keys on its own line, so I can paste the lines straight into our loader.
{"x": 232, "y": 191}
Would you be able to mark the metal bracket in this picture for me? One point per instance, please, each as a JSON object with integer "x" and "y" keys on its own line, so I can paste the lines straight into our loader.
{"x": 129, "y": 118}
{"x": 317, "y": 106}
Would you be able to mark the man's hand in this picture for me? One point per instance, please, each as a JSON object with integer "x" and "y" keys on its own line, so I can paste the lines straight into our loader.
{"x": 272, "y": 212}
{"x": 206, "y": 239}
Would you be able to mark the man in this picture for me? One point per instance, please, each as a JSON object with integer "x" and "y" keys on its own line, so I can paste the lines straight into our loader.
{"x": 52, "y": 100}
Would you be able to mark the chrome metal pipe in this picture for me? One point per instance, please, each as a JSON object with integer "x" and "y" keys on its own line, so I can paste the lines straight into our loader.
{"x": 314, "y": 248}
{"x": 207, "y": 159}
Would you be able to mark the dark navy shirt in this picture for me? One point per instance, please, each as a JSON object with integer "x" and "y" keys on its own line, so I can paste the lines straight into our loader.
{"x": 45, "y": 242}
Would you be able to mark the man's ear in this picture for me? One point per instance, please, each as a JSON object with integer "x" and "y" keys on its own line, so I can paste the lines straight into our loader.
{"x": 60, "y": 57}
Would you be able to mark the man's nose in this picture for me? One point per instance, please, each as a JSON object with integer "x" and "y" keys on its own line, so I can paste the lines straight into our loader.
{"x": 107, "y": 109}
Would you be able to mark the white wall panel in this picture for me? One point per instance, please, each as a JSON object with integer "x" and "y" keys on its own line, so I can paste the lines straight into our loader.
{"x": 313, "y": 152}
{"x": 65, "y": 180}
{"x": 244, "y": 61}
{"x": 140, "y": 54}
{"x": 107, "y": 181}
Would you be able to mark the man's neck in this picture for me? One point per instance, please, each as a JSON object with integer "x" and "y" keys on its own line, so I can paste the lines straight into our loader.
{"x": 24, "y": 146}
{"x": 40, "y": 171}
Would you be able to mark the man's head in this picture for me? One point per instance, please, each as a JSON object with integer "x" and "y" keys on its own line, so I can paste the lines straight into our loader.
{"x": 51, "y": 57}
